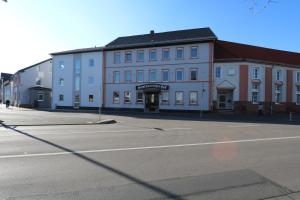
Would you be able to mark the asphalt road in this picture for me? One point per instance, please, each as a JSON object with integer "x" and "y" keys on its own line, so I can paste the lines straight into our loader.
{"x": 150, "y": 159}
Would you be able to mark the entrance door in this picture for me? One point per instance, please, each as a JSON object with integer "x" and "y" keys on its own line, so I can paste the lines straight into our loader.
{"x": 151, "y": 102}
{"x": 225, "y": 100}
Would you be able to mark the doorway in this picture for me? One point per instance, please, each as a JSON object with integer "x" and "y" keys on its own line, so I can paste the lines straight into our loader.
{"x": 151, "y": 101}
{"x": 225, "y": 100}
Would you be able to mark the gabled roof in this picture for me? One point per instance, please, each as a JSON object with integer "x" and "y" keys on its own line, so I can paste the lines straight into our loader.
{"x": 225, "y": 51}
{"x": 22, "y": 70}
{"x": 82, "y": 50}
{"x": 163, "y": 38}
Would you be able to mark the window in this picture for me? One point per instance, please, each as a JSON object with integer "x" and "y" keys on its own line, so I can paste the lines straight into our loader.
{"x": 298, "y": 89}
{"x": 61, "y": 97}
{"x": 255, "y": 86}
{"x": 128, "y": 56}
{"x": 40, "y": 96}
{"x": 166, "y": 54}
{"x": 139, "y": 97}
{"x": 152, "y": 55}
{"x": 255, "y": 73}
{"x": 165, "y": 97}
{"x": 254, "y": 97}
{"x": 116, "y": 97}
{"x": 298, "y": 95}
{"x": 91, "y": 62}
{"x": 193, "y": 98}
{"x": 116, "y": 77}
{"x": 194, "y": 52}
{"x": 38, "y": 82}
{"x": 140, "y": 55}
{"x": 153, "y": 77}
{"x": 218, "y": 72}
{"x": 77, "y": 83}
{"x": 165, "y": 75}
{"x": 278, "y": 75}
{"x": 298, "y": 77}
{"x": 178, "y": 97}
{"x": 180, "y": 53}
{"x": 61, "y": 82}
{"x": 91, "y": 80}
{"x": 193, "y": 75}
{"x": 231, "y": 72}
{"x": 278, "y": 94}
{"x": 127, "y": 76}
{"x": 255, "y": 93}
{"x": 140, "y": 76}
{"x": 77, "y": 66}
{"x": 117, "y": 58}
{"x": 61, "y": 65}
{"x": 179, "y": 75}
{"x": 91, "y": 98}
{"x": 127, "y": 97}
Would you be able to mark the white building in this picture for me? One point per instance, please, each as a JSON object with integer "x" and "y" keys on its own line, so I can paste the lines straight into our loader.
{"x": 77, "y": 79}
{"x": 160, "y": 71}
{"x": 32, "y": 85}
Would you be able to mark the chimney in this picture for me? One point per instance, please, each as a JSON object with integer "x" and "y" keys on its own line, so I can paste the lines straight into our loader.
{"x": 152, "y": 32}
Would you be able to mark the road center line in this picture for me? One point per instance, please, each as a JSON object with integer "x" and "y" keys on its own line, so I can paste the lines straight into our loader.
{"x": 147, "y": 147}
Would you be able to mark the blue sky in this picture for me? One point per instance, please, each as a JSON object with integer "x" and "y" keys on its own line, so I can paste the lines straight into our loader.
{"x": 32, "y": 29}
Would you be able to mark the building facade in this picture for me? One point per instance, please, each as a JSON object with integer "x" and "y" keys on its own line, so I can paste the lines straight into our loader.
{"x": 4, "y": 79}
{"x": 160, "y": 71}
{"x": 246, "y": 77}
{"x": 77, "y": 79}
{"x": 32, "y": 86}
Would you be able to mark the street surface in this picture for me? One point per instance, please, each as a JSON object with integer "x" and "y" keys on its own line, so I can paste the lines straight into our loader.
{"x": 147, "y": 158}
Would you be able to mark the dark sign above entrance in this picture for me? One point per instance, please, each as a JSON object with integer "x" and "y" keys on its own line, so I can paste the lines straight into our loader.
{"x": 152, "y": 87}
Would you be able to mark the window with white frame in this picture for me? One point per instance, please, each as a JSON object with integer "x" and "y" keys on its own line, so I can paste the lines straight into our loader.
{"x": 298, "y": 95}
{"x": 278, "y": 95}
{"x": 61, "y": 82}
{"x": 193, "y": 98}
{"x": 179, "y": 75}
{"x": 255, "y": 73}
{"x": 139, "y": 97}
{"x": 117, "y": 57}
{"x": 218, "y": 72}
{"x": 166, "y": 54}
{"x": 40, "y": 96}
{"x": 231, "y": 72}
{"x": 298, "y": 76}
{"x": 127, "y": 97}
{"x": 91, "y": 62}
{"x": 180, "y": 53}
{"x": 91, "y": 80}
{"x": 165, "y": 97}
{"x": 179, "y": 98}
{"x": 61, "y": 65}
{"x": 165, "y": 75}
{"x": 61, "y": 97}
{"x": 153, "y": 75}
{"x": 77, "y": 66}
{"x": 128, "y": 56}
{"x": 255, "y": 93}
{"x": 140, "y": 56}
{"x": 116, "y": 97}
{"x": 193, "y": 74}
{"x": 194, "y": 52}
{"x": 278, "y": 75}
{"x": 152, "y": 55}
{"x": 91, "y": 98}
{"x": 140, "y": 76}
{"x": 127, "y": 76}
{"x": 116, "y": 77}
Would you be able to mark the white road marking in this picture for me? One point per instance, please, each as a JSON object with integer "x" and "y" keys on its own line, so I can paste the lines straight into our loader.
{"x": 147, "y": 147}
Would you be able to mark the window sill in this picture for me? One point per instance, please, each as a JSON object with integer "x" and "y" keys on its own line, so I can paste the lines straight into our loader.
{"x": 191, "y": 104}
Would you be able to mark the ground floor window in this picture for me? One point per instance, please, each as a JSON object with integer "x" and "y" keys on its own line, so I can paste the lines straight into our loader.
{"x": 127, "y": 97}
{"x": 193, "y": 98}
{"x": 254, "y": 97}
{"x": 277, "y": 97}
{"x": 139, "y": 97}
{"x": 179, "y": 98}
{"x": 298, "y": 99}
{"x": 165, "y": 97}
{"x": 40, "y": 96}
{"x": 61, "y": 97}
{"x": 116, "y": 97}
{"x": 91, "y": 98}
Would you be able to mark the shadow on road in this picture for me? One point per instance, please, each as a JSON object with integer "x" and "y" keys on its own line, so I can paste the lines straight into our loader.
{"x": 151, "y": 187}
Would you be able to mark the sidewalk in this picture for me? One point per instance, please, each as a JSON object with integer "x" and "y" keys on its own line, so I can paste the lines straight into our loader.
{"x": 14, "y": 116}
